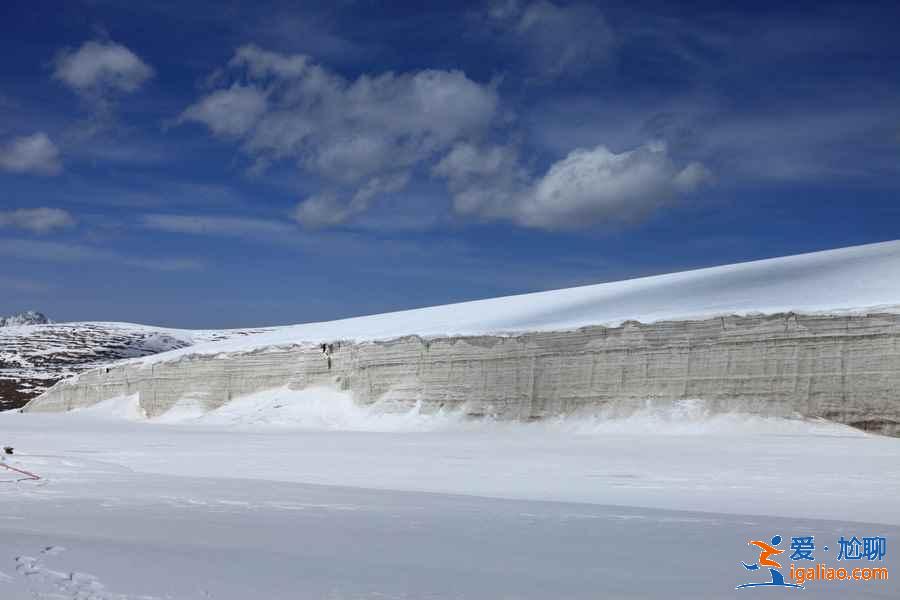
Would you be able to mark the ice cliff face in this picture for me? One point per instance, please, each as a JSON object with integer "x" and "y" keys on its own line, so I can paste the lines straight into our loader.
{"x": 29, "y": 317}
{"x": 842, "y": 368}
{"x": 816, "y": 335}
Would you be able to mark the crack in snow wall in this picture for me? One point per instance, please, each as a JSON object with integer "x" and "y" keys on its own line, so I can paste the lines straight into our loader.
{"x": 841, "y": 368}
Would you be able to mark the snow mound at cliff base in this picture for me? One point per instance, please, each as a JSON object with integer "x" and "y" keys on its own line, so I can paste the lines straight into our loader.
{"x": 327, "y": 409}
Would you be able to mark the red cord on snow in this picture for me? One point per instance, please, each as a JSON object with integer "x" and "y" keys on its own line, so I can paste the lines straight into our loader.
{"x": 26, "y": 473}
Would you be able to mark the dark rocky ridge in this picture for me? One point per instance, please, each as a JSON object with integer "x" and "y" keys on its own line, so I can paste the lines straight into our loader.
{"x": 29, "y": 317}
{"x": 34, "y": 357}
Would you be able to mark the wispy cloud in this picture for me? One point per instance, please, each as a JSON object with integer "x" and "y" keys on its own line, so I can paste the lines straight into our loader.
{"x": 25, "y": 286}
{"x": 37, "y": 220}
{"x": 219, "y": 225}
{"x": 311, "y": 34}
{"x": 558, "y": 39}
{"x": 153, "y": 193}
{"x": 347, "y": 244}
{"x": 330, "y": 209}
{"x": 63, "y": 252}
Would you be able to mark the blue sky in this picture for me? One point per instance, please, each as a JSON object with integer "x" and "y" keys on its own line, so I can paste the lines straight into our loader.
{"x": 215, "y": 164}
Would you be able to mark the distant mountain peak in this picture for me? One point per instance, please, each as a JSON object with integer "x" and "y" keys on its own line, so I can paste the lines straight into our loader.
{"x": 29, "y": 317}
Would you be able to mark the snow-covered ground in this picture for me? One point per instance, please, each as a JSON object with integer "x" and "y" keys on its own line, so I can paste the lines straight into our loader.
{"x": 853, "y": 280}
{"x": 306, "y": 495}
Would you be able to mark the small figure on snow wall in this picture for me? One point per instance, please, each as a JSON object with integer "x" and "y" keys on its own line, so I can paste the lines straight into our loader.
{"x": 327, "y": 351}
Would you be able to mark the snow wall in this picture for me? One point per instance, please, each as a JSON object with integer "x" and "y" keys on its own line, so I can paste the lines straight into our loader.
{"x": 841, "y": 368}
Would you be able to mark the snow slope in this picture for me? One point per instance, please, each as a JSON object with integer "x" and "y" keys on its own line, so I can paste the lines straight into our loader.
{"x": 851, "y": 280}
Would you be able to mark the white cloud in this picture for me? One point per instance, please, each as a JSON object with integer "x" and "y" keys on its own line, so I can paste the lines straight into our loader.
{"x": 560, "y": 39}
{"x": 353, "y": 133}
{"x": 37, "y": 220}
{"x": 97, "y": 68}
{"x": 466, "y": 160}
{"x": 365, "y": 137}
{"x": 485, "y": 181}
{"x": 328, "y": 208}
{"x": 587, "y": 187}
{"x": 34, "y": 153}
{"x": 692, "y": 177}
{"x": 233, "y": 111}
{"x": 323, "y": 209}
{"x": 590, "y": 186}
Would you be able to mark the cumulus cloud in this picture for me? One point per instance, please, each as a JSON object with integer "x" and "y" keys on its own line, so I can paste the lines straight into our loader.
{"x": 359, "y": 135}
{"x": 99, "y": 68}
{"x": 37, "y": 220}
{"x": 590, "y": 186}
{"x": 34, "y": 153}
{"x": 365, "y": 137}
{"x": 559, "y": 39}
{"x": 587, "y": 187}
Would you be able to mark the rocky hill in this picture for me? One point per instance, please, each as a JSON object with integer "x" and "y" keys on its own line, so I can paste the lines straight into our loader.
{"x": 33, "y": 357}
{"x": 29, "y": 317}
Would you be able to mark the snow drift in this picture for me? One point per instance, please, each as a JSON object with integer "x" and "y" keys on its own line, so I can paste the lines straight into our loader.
{"x": 325, "y": 409}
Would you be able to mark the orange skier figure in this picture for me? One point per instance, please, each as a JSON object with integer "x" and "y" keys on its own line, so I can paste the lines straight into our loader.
{"x": 767, "y": 551}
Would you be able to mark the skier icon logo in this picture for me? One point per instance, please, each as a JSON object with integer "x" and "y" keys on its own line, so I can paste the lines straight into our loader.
{"x": 766, "y": 552}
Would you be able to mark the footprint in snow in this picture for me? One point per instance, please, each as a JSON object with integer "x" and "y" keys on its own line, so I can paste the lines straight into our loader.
{"x": 46, "y": 583}
{"x": 52, "y": 550}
